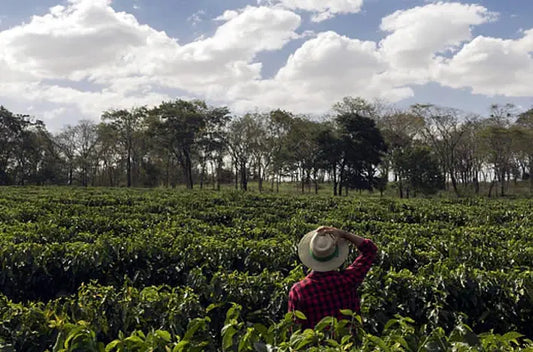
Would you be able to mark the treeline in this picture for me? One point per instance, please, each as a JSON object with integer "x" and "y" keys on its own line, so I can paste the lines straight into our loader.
{"x": 361, "y": 146}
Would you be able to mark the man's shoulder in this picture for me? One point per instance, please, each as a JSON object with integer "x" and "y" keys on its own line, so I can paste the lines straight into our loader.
{"x": 300, "y": 284}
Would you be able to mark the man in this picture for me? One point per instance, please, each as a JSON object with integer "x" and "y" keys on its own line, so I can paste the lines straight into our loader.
{"x": 325, "y": 291}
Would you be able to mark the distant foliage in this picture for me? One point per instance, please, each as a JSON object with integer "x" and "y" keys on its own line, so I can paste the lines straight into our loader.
{"x": 361, "y": 145}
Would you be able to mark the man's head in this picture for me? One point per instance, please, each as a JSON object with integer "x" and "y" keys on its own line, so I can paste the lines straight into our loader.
{"x": 322, "y": 251}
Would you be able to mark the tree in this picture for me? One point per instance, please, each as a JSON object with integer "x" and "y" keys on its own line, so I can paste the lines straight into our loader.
{"x": 78, "y": 145}
{"x": 178, "y": 125}
{"x": 331, "y": 154}
{"x": 11, "y": 132}
{"x": 213, "y": 142}
{"x": 25, "y": 149}
{"x": 127, "y": 126}
{"x": 301, "y": 149}
{"x": 469, "y": 154}
{"x": 66, "y": 142}
{"x": 400, "y": 130}
{"x": 524, "y": 125}
{"x": 110, "y": 154}
{"x": 358, "y": 106}
{"x": 260, "y": 144}
{"x": 498, "y": 143}
{"x": 279, "y": 126}
{"x": 241, "y": 136}
{"x": 443, "y": 131}
{"x": 497, "y": 139}
{"x": 352, "y": 151}
{"x": 419, "y": 170}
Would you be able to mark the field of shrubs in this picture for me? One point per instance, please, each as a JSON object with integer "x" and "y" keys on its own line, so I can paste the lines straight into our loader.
{"x": 166, "y": 270}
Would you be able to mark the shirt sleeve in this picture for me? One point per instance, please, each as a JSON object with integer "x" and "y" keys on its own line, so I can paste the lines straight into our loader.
{"x": 293, "y": 300}
{"x": 294, "y": 304}
{"x": 357, "y": 271}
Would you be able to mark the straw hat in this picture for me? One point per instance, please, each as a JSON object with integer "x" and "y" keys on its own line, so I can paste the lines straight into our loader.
{"x": 322, "y": 251}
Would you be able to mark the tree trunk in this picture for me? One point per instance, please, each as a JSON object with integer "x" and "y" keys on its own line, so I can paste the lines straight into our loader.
{"x": 260, "y": 177}
{"x": 218, "y": 174}
{"x": 244, "y": 177}
{"x": 128, "y": 167}
{"x": 490, "y": 188}
{"x": 187, "y": 165}
{"x": 302, "y": 178}
{"x": 167, "y": 171}
{"x": 476, "y": 182}
{"x": 454, "y": 184}
{"x": 502, "y": 186}
{"x": 70, "y": 175}
{"x": 531, "y": 174}
{"x": 334, "y": 180}
{"x": 110, "y": 174}
{"x": 341, "y": 179}
{"x": 236, "y": 175}
{"x": 315, "y": 179}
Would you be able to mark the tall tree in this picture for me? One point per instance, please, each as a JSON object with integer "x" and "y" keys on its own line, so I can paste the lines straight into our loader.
{"x": 469, "y": 154}
{"x": 357, "y": 105}
{"x": 302, "y": 149}
{"x": 524, "y": 123}
{"x": 127, "y": 126}
{"x": 25, "y": 149}
{"x": 279, "y": 126}
{"x": 11, "y": 131}
{"x": 66, "y": 142}
{"x": 353, "y": 152}
{"x": 78, "y": 145}
{"x": 364, "y": 148}
{"x": 178, "y": 125}
{"x": 419, "y": 170}
{"x": 242, "y": 135}
{"x": 443, "y": 131}
{"x": 400, "y": 130}
{"x": 213, "y": 142}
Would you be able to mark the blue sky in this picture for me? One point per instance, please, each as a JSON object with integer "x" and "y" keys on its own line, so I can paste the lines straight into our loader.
{"x": 66, "y": 60}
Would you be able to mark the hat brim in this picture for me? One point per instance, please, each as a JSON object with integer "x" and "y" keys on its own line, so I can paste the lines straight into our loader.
{"x": 310, "y": 262}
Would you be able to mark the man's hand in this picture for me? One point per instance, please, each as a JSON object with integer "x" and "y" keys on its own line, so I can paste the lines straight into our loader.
{"x": 356, "y": 240}
{"x": 333, "y": 230}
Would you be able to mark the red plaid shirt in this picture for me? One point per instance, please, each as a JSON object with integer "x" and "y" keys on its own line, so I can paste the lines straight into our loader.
{"x": 323, "y": 294}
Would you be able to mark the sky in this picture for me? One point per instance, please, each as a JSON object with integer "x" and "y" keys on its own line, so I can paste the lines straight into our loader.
{"x": 66, "y": 60}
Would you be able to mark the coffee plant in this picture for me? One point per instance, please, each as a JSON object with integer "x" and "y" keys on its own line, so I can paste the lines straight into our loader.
{"x": 161, "y": 270}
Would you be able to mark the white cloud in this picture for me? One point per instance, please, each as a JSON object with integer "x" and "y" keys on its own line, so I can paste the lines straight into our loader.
{"x": 417, "y": 35}
{"x": 322, "y": 10}
{"x": 322, "y": 71}
{"x": 85, "y": 56}
{"x": 196, "y": 17}
{"x": 88, "y": 41}
{"x": 330, "y": 66}
{"x": 492, "y": 66}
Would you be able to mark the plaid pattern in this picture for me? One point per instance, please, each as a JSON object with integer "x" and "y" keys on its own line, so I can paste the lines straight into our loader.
{"x": 323, "y": 294}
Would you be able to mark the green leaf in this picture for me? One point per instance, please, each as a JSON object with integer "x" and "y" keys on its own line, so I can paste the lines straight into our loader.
{"x": 332, "y": 343}
{"x": 378, "y": 342}
{"x": 112, "y": 345}
{"x": 165, "y": 335}
{"x": 300, "y": 315}
{"x": 227, "y": 336}
{"x": 181, "y": 346}
{"x": 347, "y": 312}
{"x": 324, "y": 322}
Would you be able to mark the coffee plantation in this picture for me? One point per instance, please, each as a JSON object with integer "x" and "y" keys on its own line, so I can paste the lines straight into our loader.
{"x": 166, "y": 270}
